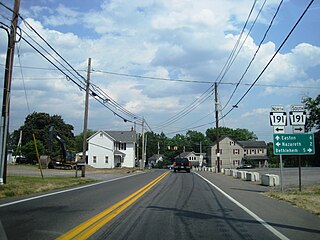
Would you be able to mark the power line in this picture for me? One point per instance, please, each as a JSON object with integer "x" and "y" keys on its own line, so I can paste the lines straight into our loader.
{"x": 254, "y": 55}
{"x": 232, "y": 55}
{"x": 81, "y": 82}
{"x": 224, "y": 70}
{"x": 222, "y": 83}
{"x": 251, "y": 86}
{"x": 267, "y": 65}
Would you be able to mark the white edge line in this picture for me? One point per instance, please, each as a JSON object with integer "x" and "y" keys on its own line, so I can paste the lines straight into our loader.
{"x": 256, "y": 217}
{"x": 64, "y": 191}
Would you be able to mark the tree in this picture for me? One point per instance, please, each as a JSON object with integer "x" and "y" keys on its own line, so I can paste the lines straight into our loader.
{"x": 195, "y": 139}
{"x": 29, "y": 151}
{"x": 313, "y": 107}
{"x": 39, "y": 124}
{"x": 238, "y": 134}
{"x": 79, "y": 140}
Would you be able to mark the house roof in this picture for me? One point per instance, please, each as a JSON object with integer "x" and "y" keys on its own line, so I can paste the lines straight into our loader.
{"x": 253, "y": 144}
{"x": 185, "y": 154}
{"x": 118, "y": 136}
{"x": 122, "y": 136}
{"x": 245, "y": 144}
{"x": 155, "y": 157}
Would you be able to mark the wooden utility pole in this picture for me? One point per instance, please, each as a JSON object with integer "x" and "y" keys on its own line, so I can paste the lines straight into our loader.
{"x": 85, "y": 124}
{"x": 4, "y": 127}
{"x": 217, "y": 124}
{"x": 142, "y": 146}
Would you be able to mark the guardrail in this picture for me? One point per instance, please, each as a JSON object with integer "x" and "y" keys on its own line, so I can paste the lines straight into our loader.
{"x": 270, "y": 180}
{"x": 265, "y": 180}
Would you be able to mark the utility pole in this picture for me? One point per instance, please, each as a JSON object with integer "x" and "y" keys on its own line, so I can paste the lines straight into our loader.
{"x": 85, "y": 125}
{"x": 4, "y": 125}
{"x": 217, "y": 124}
{"x": 142, "y": 147}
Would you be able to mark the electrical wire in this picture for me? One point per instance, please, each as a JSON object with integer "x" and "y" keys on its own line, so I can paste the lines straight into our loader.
{"x": 73, "y": 74}
{"x": 255, "y": 54}
{"x": 223, "y": 72}
{"x": 261, "y": 73}
{"x": 231, "y": 57}
{"x": 269, "y": 62}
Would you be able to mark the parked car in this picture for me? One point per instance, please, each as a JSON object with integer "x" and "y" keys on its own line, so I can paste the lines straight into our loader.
{"x": 245, "y": 166}
{"x": 181, "y": 164}
{"x": 24, "y": 160}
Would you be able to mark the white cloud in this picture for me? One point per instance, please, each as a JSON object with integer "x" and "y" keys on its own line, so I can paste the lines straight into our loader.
{"x": 162, "y": 39}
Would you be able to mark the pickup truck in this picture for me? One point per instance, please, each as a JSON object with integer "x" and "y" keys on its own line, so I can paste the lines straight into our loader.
{"x": 181, "y": 164}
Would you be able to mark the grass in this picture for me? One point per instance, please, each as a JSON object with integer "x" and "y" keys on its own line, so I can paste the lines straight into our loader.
{"x": 24, "y": 185}
{"x": 308, "y": 198}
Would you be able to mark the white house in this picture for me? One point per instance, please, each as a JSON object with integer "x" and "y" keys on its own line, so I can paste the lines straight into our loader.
{"x": 196, "y": 159}
{"x": 109, "y": 149}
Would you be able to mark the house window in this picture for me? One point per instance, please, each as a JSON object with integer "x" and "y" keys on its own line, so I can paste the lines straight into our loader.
{"x": 106, "y": 159}
{"x": 232, "y": 143}
{"x": 236, "y": 162}
{"x": 123, "y": 146}
{"x": 94, "y": 159}
{"x": 219, "y": 151}
{"x": 101, "y": 134}
{"x": 236, "y": 151}
{"x": 120, "y": 146}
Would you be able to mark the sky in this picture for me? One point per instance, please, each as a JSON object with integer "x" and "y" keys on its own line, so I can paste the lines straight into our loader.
{"x": 159, "y": 60}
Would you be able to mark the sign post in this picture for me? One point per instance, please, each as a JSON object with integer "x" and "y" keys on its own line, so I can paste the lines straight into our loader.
{"x": 278, "y": 119}
{"x": 298, "y": 118}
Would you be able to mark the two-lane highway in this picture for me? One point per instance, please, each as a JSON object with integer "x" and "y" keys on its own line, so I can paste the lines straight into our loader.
{"x": 155, "y": 205}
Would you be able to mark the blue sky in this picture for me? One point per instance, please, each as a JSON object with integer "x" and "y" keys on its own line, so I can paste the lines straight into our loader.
{"x": 170, "y": 39}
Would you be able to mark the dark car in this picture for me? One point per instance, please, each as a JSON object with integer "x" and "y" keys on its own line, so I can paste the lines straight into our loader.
{"x": 181, "y": 164}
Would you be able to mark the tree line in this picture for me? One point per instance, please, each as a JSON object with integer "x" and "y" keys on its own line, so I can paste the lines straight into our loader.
{"x": 39, "y": 124}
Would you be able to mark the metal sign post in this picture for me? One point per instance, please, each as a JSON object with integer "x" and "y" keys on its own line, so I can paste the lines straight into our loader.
{"x": 278, "y": 119}
{"x": 298, "y": 119}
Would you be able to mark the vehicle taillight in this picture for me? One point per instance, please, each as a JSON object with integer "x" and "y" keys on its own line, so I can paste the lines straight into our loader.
{"x": 174, "y": 164}
{"x": 189, "y": 164}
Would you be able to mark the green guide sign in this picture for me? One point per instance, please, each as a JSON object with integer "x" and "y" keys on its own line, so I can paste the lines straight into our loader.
{"x": 293, "y": 144}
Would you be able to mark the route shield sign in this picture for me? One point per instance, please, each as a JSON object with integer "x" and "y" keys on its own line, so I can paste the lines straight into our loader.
{"x": 293, "y": 144}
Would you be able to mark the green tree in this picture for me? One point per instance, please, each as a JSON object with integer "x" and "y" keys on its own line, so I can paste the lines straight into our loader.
{"x": 79, "y": 140}
{"x": 39, "y": 124}
{"x": 238, "y": 134}
{"x": 196, "y": 139}
{"x": 313, "y": 107}
{"x": 29, "y": 151}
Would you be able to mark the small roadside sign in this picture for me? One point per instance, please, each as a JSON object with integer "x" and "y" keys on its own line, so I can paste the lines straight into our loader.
{"x": 278, "y": 129}
{"x": 278, "y": 118}
{"x": 277, "y": 108}
{"x": 298, "y": 129}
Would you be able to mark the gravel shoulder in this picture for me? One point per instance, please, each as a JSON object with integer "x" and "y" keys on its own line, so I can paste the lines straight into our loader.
{"x": 92, "y": 173}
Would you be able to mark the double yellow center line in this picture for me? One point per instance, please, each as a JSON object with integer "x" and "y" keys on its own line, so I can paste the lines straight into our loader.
{"x": 91, "y": 226}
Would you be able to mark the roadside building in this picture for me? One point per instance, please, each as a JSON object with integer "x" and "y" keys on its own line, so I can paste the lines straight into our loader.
{"x": 235, "y": 153}
{"x": 154, "y": 159}
{"x": 110, "y": 149}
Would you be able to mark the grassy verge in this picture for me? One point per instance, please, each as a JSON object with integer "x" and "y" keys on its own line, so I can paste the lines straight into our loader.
{"x": 24, "y": 185}
{"x": 308, "y": 198}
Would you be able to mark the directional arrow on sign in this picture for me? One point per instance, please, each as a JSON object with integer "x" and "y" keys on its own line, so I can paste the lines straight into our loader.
{"x": 278, "y": 129}
{"x": 278, "y": 144}
{"x": 300, "y": 129}
{"x": 277, "y": 138}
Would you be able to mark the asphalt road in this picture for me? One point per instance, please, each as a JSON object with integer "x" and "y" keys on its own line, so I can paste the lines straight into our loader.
{"x": 180, "y": 206}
